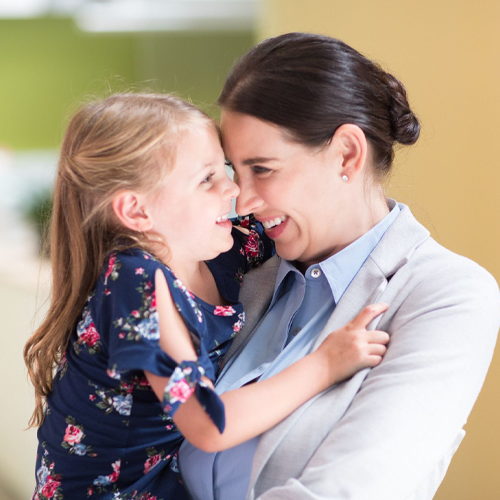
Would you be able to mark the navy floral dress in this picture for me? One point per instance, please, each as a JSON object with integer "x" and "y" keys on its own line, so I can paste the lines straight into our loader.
{"x": 105, "y": 434}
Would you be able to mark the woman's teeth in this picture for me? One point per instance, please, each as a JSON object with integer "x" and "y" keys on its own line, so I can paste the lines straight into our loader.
{"x": 268, "y": 224}
{"x": 222, "y": 218}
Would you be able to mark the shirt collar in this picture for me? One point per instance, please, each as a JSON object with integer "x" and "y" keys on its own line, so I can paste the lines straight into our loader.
{"x": 341, "y": 268}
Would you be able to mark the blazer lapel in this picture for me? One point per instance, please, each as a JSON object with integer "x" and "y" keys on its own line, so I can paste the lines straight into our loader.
{"x": 366, "y": 288}
{"x": 393, "y": 251}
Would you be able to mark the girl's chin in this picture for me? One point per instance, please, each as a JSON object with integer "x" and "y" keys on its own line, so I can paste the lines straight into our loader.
{"x": 222, "y": 246}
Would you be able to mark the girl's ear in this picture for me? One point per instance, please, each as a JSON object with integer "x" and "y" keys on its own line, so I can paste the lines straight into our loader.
{"x": 131, "y": 211}
{"x": 350, "y": 141}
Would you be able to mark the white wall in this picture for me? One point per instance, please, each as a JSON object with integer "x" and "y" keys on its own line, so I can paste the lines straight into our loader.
{"x": 24, "y": 284}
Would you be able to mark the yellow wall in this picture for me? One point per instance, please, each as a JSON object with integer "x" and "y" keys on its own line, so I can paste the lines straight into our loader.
{"x": 447, "y": 53}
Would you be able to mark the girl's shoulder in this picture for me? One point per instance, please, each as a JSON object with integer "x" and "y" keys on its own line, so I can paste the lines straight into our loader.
{"x": 129, "y": 277}
{"x": 133, "y": 264}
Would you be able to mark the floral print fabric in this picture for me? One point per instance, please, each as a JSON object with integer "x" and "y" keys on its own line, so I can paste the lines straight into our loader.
{"x": 186, "y": 379}
{"x": 105, "y": 433}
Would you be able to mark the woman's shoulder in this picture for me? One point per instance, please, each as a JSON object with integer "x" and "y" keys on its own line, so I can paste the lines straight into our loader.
{"x": 407, "y": 243}
{"x": 408, "y": 252}
{"x": 448, "y": 267}
{"x": 445, "y": 284}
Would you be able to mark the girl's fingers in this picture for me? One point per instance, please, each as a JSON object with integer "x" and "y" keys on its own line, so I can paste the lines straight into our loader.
{"x": 377, "y": 349}
{"x": 367, "y": 314}
{"x": 374, "y": 360}
{"x": 377, "y": 337}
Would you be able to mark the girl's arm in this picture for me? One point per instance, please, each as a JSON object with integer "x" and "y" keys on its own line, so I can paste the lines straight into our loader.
{"x": 256, "y": 408}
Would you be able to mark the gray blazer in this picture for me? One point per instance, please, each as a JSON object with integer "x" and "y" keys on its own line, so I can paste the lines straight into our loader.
{"x": 387, "y": 433}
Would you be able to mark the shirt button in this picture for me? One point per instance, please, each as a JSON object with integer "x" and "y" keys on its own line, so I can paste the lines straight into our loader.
{"x": 296, "y": 330}
{"x": 316, "y": 272}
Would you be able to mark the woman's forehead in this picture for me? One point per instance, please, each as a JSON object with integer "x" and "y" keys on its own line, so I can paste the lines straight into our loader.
{"x": 247, "y": 137}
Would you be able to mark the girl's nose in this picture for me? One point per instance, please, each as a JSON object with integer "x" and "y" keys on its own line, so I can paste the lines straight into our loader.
{"x": 248, "y": 200}
{"x": 232, "y": 190}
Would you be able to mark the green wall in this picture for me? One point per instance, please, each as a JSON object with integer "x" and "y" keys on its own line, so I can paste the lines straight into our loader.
{"x": 48, "y": 66}
{"x": 45, "y": 66}
{"x": 192, "y": 65}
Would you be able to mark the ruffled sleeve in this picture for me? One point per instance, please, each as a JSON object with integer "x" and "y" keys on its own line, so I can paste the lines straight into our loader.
{"x": 127, "y": 301}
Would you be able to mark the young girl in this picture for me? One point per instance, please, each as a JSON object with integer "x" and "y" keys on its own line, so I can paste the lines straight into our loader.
{"x": 145, "y": 262}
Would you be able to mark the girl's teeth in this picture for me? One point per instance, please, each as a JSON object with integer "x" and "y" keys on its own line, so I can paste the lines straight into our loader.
{"x": 222, "y": 218}
{"x": 268, "y": 224}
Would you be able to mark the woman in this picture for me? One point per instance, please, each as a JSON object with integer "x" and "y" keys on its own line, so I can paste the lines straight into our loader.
{"x": 310, "y": 125}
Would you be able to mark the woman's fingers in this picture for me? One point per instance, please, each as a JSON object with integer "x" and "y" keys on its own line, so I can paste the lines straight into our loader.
{"x": 368, "y": 314}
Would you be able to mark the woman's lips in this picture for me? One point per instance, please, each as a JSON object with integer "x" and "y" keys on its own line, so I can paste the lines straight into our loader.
{"x": 277, "y": 231}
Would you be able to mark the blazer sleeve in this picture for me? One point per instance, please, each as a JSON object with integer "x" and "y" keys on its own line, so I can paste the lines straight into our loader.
{"x": 405, "y": 423}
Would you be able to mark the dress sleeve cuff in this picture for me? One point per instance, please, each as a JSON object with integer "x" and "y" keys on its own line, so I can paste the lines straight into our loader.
{"x": 186, "y": 379}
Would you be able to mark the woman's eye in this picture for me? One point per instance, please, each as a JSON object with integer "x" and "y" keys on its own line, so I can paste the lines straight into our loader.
{"x": 260, "y": 170}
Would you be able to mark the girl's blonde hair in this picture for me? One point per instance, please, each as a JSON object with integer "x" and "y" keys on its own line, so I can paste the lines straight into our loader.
{"x": 126, "y": 141}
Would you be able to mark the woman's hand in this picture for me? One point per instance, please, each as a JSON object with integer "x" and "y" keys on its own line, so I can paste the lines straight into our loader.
{"x": 352, "y": 347}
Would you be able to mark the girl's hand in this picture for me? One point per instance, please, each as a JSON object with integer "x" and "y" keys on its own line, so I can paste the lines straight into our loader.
{"x": 353, "y": 347}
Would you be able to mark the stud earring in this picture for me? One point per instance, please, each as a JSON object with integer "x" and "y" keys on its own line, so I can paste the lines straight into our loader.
{"x": 345, "y": 178}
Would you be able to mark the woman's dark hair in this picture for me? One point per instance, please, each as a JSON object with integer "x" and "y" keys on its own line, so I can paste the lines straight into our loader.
{"x": 312, "y": 84}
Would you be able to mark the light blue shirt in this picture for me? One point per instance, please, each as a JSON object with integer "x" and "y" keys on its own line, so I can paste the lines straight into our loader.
{"x": 300, "y": 307}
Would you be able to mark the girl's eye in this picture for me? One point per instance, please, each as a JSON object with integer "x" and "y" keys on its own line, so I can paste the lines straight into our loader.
{"x": 260, "y": 170}
{"x": 208, "y": 178}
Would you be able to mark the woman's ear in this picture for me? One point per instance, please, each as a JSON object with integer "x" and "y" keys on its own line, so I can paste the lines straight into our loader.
{"x": 131, "y": 212}
{"x": 350, "y": 142}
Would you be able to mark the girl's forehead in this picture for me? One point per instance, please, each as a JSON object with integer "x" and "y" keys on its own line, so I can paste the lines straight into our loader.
{"x": 196, "y": 148}
{"x": 209, "y": 131}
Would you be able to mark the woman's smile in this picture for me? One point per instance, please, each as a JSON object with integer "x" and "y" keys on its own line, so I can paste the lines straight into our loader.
{"x": 274, "y": 226}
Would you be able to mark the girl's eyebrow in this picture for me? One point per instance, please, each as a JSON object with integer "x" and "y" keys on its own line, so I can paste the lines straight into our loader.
{"x": 210, "y": 163}
{"x": 258, "y": 159}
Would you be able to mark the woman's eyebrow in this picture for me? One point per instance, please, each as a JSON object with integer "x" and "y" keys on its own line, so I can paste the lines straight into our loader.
{"x": 258, "y": 159}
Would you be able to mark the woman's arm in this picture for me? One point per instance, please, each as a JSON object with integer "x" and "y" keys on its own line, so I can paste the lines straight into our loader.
{"x": 256, "y": 408}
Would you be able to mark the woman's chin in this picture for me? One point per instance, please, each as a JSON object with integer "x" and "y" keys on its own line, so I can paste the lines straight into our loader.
{"x": 287, "y": 251}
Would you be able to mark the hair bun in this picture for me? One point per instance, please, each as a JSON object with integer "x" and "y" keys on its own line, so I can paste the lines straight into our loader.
{"x": 405, "y": 126}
